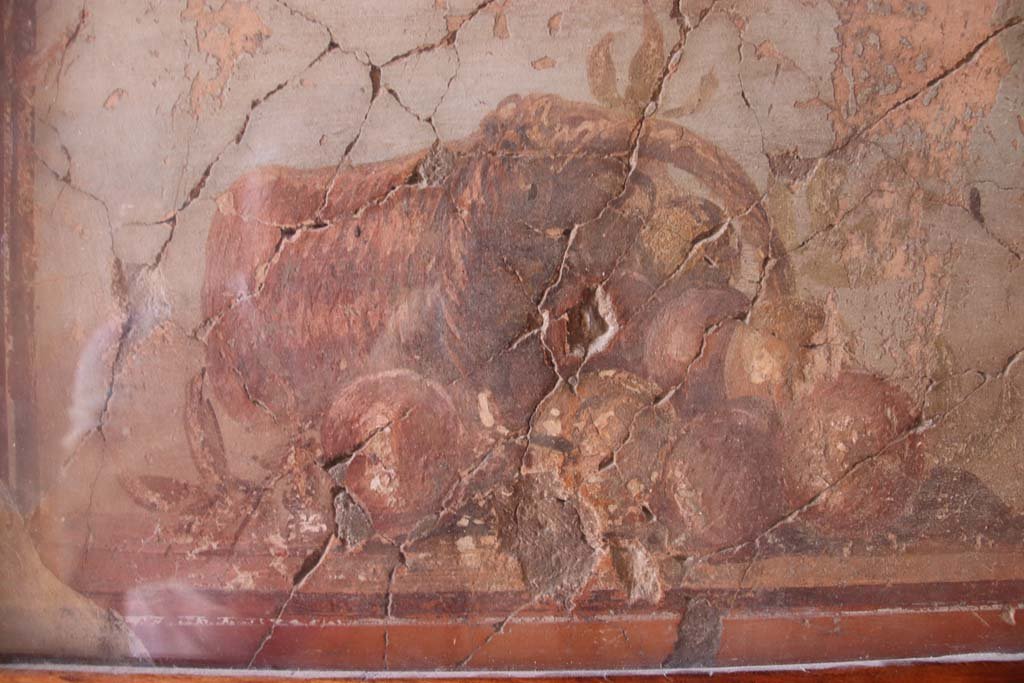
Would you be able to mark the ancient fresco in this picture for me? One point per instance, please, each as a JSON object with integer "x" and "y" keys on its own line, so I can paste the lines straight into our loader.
{"x": 515, "y": 336}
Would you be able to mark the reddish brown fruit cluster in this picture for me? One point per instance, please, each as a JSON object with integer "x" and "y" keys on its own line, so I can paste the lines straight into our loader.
{"x": 414, "y": 309}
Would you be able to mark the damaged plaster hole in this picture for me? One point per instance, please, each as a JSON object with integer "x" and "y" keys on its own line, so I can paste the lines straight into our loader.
{"x": 435, "y": 167}
{"x": 352, "y": 525}
{"x": 591, "y": 324}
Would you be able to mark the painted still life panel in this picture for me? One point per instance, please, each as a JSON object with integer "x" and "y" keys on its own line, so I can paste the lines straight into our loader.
{"x": 445, "y": 335}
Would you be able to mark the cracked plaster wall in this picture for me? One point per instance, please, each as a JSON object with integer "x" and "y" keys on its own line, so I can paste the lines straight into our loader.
{"x": 586, "y": 304}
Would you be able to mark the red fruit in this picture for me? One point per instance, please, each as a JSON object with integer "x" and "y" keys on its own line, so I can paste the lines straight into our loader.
{"x": 402, "y": 436}
{"x": 850, "y": 444}
{"x": 721, "y": 483}
{"x": 673, "y": 339}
